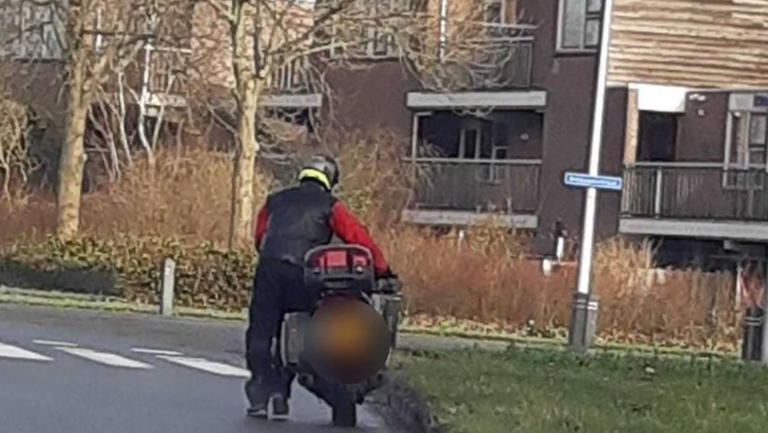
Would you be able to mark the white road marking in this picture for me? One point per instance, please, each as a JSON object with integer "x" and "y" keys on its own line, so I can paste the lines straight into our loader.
{"x": 54, "y": 343}
{"x": 105, "y": 358}
{"x": 209, "y": 366}
{"x": 13, "y": 352}
{"x": 155, "y": 351}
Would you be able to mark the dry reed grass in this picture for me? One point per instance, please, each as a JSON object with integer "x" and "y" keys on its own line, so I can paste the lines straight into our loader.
{"x": 188, "y": 196}
{"x": 483, "y": 280}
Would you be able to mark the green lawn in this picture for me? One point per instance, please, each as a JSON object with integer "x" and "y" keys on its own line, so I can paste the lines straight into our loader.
{"x": 552, "y": 392}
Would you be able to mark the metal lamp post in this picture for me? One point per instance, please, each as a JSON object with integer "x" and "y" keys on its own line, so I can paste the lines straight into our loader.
{"x": 584, "y": 319}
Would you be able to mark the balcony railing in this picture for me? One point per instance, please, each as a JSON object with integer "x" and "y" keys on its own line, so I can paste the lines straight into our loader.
{"x": 507, "y": 62}
{"x": 167, "y": 70}
{"x": 695, "y": 191}
{"x": 485, "y": 56}
{"x": 507, "y": 187}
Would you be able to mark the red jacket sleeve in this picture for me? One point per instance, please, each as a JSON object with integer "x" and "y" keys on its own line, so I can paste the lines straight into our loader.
{"x": 351, "y": 231}
{"x": 261, "y": 225}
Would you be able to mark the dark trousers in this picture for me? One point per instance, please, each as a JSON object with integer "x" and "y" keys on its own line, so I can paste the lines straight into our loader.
{"x": 278, "y": 288}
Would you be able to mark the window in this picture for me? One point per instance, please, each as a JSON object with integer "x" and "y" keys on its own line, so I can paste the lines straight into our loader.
{"x": 657, "y": 137}
{"x": 745, "y": 158}
{"x": 494, "y": 13}
{"x": 500, "y": 11}
{"x": 476, "y": 142}
{"x": 377, "y": 41}
{"x": 580, "y": 25}
{"x": 497, "y": 15}
{"x": 381, "y": 43}
{"x": 28, "y": 31}
{"x": 749, "y": 138}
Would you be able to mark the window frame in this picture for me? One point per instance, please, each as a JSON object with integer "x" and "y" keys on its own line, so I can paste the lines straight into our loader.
{"x": 507, "y": 11}
{"x": 369, "y": 50}
{"x": 491, "y": 175}
{"x": 42, "y": 44}
{"x": 735, "y": 171}
{"x": 588, "y": 16}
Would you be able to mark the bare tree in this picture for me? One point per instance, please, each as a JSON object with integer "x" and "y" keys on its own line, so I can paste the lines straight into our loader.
{"x": 101, "y": 38}
{"x": 15, "y": 161}
{"x": 131, "y": 118}
{"x": 263, "y": 38}
{"x": 271, "y": 42}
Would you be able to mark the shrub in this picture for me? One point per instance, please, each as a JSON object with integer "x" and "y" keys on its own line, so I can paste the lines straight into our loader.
{"x": 206, "y": 276}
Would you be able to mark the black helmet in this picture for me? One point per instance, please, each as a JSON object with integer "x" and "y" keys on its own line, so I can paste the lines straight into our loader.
{"x": 322, "y": 169}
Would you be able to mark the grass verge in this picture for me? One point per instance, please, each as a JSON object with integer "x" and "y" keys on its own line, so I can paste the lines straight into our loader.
{"x": 500, "y": 341}
{"x": 536, "y": 391}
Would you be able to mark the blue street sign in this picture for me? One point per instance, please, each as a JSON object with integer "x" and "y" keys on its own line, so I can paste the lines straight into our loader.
{"x": 580, "y": 180}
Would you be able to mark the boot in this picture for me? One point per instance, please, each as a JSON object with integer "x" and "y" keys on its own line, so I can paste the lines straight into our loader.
{"x": 258, "y": 400}
{"x": 280, "y": 407}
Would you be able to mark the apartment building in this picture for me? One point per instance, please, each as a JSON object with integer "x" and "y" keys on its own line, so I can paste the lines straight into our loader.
{"x": 685, "y": 124}
{"x": 695, "y": 76}
{"x": 500, "y": 144}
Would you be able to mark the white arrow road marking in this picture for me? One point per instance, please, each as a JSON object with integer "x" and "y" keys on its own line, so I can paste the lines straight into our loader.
{"x": 155, "y": 351}
{"x": 209, "y": 366}
{"x": 13, "y": 352}
{"x": 109, "y": 359}
{"x": 54, "y": 343}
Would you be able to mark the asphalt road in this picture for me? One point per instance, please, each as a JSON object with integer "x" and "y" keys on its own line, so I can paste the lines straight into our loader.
{"x": 74, "y": 371}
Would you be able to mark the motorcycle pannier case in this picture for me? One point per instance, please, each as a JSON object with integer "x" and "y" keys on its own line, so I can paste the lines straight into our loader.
{"x": 292, "y": 337}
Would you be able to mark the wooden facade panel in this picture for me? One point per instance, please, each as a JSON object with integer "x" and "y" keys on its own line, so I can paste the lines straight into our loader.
{"x": 695, "y": 43}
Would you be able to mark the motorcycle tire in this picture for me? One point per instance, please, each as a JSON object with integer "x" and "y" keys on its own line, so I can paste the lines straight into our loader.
{"x": 344, "y": 412}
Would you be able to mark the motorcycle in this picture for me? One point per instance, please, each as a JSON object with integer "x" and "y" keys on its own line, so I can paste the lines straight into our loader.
{"x": 338, "y": 273}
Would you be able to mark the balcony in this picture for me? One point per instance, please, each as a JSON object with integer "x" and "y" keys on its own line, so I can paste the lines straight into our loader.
{"x": 485, "y": 57}
{"x": 463, "y": 192}
{"x": 504, "y": 60}
{"x": 167, "y": 68}
{"x": 290, "y": 86}
{"x": 696, "y": 200}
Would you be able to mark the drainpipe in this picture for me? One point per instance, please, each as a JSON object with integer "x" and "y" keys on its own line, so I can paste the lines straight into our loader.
{"x": 443, "y": 27}
{"x": 559, "y": 240}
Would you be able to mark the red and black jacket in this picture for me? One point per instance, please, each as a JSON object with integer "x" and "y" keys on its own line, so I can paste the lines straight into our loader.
{"x": 295, "y": 220}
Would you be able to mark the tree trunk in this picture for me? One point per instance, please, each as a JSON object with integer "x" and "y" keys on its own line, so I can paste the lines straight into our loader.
{"x": 241, "y": 232}
{"x": 248, "y": 89}
{"x": 72, "y": 159}
{"x": 71, "y": 166}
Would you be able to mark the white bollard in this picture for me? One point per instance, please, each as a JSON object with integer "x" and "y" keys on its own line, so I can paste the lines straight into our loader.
{"x": 167, "y": 286}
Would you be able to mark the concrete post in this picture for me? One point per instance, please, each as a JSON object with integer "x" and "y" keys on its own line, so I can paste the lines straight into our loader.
{"x": 167, "y": 287}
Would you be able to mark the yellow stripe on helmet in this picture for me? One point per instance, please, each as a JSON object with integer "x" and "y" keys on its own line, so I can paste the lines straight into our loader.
{"x": 311, "y": 173}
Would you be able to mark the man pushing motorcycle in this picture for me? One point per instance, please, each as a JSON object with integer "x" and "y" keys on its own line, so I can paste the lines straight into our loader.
{"x": 291, "y": 223}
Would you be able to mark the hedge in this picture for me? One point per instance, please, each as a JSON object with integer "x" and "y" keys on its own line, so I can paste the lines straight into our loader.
{"x": 206, "y": 276}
